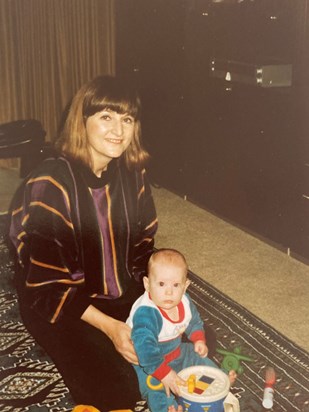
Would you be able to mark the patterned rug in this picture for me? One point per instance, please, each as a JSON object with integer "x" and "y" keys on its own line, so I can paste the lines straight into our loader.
{"x": 238, "y": 328}
{"x": 29, "y": 381}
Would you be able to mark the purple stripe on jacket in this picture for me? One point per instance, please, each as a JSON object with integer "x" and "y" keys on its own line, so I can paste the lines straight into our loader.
{"x": 101, "y": 205}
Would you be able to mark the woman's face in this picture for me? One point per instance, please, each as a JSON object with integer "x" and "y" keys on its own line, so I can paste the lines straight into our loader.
{"x": 109, "y": 134}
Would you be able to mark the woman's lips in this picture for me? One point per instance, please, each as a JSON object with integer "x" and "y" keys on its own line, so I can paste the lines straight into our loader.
{"x": 115, "y": 141}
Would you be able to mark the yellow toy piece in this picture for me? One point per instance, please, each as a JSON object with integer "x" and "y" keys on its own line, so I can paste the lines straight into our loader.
{"x": 152, "y": 386}
{"x": 85, "y": 408}
{"x": 201, "y": 385}
{"x": 89, "y": 408}
{"x": 191, "y": 383}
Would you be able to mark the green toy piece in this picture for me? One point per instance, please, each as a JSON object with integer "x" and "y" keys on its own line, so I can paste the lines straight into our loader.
{"x": 231, "y": 360}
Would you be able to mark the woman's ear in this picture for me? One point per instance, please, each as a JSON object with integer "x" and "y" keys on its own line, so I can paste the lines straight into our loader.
{"x": 146, "y": 283}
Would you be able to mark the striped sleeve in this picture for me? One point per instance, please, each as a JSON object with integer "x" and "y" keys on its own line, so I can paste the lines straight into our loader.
{"x": 147, "y": 225}
{"x": 43, "y": 235}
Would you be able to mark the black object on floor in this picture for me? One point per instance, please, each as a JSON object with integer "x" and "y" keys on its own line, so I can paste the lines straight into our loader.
{"x": 24, "y": 139}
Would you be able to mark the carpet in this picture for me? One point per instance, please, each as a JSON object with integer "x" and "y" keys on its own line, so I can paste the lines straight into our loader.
{"x": 29, "y": 381}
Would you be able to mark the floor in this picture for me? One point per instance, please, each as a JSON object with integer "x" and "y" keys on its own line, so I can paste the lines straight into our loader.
{"x": 269, "y": 283}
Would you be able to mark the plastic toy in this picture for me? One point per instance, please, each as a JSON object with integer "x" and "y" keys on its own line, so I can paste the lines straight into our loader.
{"x": 201, "y": 384}
{"x": 85, "y": 408}
{"x": 151, "y": 385}
{"x": 90, "y": 408}
{"x": 268, "y": 395}
{"x": 231, "y": 360}
{"x": 191, "y": 383}
{"x": 212, "y": 386}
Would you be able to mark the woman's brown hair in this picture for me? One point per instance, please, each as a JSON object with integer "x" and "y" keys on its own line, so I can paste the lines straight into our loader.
{"x": 101, "y": 93}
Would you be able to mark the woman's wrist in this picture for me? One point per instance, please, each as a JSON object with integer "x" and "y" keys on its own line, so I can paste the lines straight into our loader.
{"x": 98, "y": 319}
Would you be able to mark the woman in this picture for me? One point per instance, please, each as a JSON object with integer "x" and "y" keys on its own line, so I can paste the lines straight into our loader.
{"x": 83, "y": 226}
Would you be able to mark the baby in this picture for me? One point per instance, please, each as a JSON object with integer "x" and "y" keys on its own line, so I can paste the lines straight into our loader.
{"x": 158, "y": 320}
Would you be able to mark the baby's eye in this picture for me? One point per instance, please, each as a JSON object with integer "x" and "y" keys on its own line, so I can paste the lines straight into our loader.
{"x": 161, "y": 283}
{"x": 176, "y": 285}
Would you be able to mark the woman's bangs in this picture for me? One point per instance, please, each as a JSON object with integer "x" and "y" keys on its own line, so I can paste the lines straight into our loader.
{"x": 123, "y": 106}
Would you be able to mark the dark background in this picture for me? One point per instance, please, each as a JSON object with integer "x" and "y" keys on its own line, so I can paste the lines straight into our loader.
{"x": 238, "y": 150}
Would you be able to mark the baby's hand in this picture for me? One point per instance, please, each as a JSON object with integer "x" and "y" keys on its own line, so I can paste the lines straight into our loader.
{"x": 200, "y": 347}
{"x": 171, "y": 382}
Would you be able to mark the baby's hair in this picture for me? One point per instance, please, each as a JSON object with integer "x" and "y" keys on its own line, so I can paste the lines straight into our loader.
{"x": 167, "y": 255}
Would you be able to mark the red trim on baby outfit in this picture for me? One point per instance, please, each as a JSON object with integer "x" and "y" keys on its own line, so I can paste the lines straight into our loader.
{"x": 198, "y": 335}
{"x": 164, "y": 368}
{"x": 181, "y": 313}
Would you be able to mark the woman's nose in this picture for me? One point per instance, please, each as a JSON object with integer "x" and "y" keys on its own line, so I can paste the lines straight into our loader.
{"x": 117, "y": 127}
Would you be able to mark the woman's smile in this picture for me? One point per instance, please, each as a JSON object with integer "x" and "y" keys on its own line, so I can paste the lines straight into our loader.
{"x": 114, "y": 141}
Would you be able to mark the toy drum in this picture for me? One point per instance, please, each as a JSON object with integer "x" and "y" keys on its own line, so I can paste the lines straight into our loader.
{"x": 211, "y": 387}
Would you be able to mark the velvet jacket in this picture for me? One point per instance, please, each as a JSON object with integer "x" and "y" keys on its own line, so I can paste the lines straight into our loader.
{"x": 56, "y": 230}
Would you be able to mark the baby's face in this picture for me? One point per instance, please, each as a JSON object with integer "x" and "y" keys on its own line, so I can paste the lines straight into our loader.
{"x": 166, "y": 284}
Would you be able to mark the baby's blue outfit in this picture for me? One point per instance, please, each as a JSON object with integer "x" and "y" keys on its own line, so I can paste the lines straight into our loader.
{"x": 158, "y": 343}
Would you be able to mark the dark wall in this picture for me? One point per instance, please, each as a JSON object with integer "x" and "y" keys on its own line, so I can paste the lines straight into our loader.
{"x": 234, "y": 147}
{"x": 150, "y": 51}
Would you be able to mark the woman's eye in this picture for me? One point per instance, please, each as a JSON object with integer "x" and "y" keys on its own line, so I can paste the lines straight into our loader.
{"x": 128, "y": 120}
{"x": 105, "y": 117}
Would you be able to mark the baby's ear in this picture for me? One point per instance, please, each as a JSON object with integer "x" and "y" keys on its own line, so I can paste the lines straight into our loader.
{"x": 146, "y": 283}
{"x": 187, "y": 283}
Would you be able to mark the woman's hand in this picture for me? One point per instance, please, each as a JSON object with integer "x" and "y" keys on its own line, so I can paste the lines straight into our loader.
{"x": 120, "y": 335}
{"x": 118, "y": 332}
